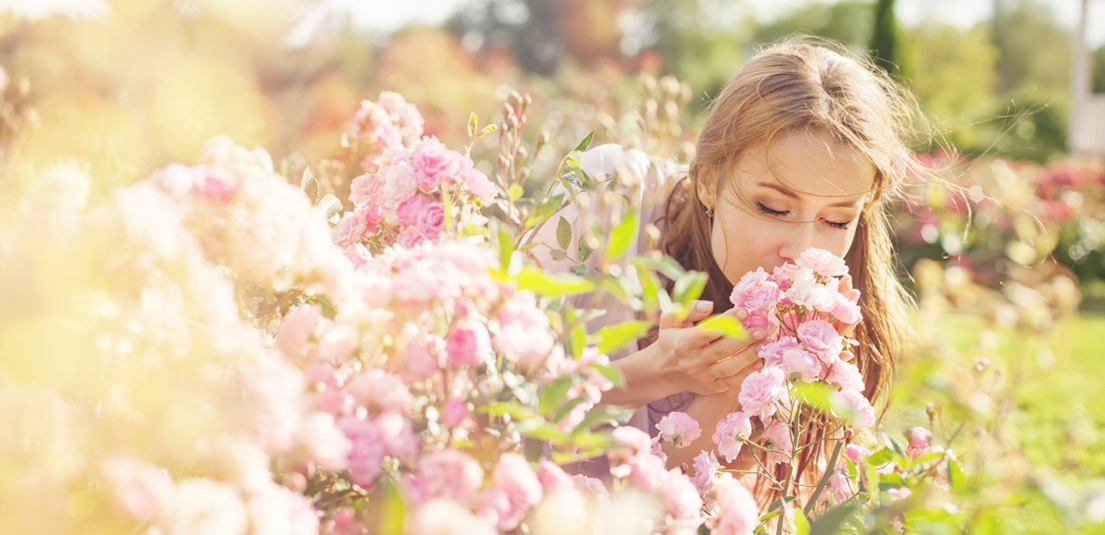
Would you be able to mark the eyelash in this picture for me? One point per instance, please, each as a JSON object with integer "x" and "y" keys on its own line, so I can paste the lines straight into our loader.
{"x": 777, "y": 213}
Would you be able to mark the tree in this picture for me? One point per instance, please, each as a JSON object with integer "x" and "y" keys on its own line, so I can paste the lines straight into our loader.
{"x": 884, "y": 39}
{"x": 848, "y": 22}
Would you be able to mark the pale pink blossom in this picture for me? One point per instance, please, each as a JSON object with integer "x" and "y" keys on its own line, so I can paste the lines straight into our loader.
{"x": 845, "y": 375}
{"x": 733, "y": 509}
{"x": 140, "y": 490}
{"x": 365, "y": 190}
{"x": 323, "y": 442}
{"x": 455, "y": 412}
{"x": 479, "y": 186}
{"x": 553, "y": 478}
{"x": 399, "y": 185}
{"x": 801, "y": 365}
{"x": 379, "y": 391}
{"x": 418, "y": 362}
{"x": 706, "y": 468}
{"x": 367, "y": 451}
{"x": 279, "y": 511}
{"x": 761, "y": 390}
{"x": 845, "y": 310}
{"x": 522, "y": 331}
{"x": 679, "y": 429}
{"x": 297, "y": 329}
{"x": 772, "y": 352}
{"x": 515, "y": 490}
{"x": 468, "y": 344}
{"x": 398, "y": 436}
{"x": 353, "y": 227}
{"x": 208, "y": 507}
{"x": 856, "y": 453}
{"x": 918, "y": 441}
{"x": 411, "y": 210}
{"x": 216, "y": 184}
{"x": 856, "y": 405}
{"x": 449, "y": 473}
{"x": 840, "y": 488}
{"x": 443, "y": 516}
{"x": 823, "y": 262}
{"x": 434, "y": 164}
{"x": 777, "y": 439}
{"x": 822, "y": 339}
{"x": 431, "y": 221}
{"x": 682, "y": 501}
{"x": 731, "y": 433}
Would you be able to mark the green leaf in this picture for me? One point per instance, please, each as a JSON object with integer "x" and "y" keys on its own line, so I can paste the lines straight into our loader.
{"x": 504, "y": 244}
{"x": 508, "y": 408}
{"x": 611, "y": 374}
{"x": 515, "y": 191}
{"x": 815, "y": 395}
{"x": 724, "y": 325}
{"x": 602, "y": 415}
{"x": 801, "y": 524}
{"x": 547, "y": 432}
{"x": 584, "y": 251}
{"x": 392, "y": 509}
{"x": 688, "y": 287}
{"x": 615, "y": 336}
{"x": 621, "y": 236}
{"x": 563, "y": 233}
{"x": 558, "y": 255}
{"x": 577, "y": 335}
{"x": 473, "y": 123}
{"x": 567, "y": 408}
{"x": 880, "y": 457}
{"x": 552, "y": 394}
{"x": 582, "y": 146}
{"x": 956, "y": 478}
{"x": 549, "y": 285}
{"x": 545, "y": 209}
{"x": 830, "y": 522}
{"x": 330, "y": 205}
{"x": 488, "y": 130}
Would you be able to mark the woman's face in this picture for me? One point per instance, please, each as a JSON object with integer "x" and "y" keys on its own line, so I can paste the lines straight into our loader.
{"x": 806, "y": 190}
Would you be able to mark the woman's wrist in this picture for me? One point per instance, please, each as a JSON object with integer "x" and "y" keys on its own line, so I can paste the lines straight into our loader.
{"x": 644, "y": 381}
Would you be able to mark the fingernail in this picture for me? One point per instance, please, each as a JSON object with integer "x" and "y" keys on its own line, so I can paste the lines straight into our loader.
{"x": 703, "y": 306}
{"x": 758, "y": 334}
{"x": 742, "y": 314}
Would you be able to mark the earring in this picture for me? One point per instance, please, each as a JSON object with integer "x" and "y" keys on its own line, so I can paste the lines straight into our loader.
{"x": 709, "y": 213}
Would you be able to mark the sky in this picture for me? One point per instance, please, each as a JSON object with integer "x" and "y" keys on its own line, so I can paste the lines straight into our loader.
{"x": 388, "y": 15}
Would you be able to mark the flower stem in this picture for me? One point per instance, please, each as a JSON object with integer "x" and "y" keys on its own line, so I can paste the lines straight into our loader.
{"x": 825, "y": 477}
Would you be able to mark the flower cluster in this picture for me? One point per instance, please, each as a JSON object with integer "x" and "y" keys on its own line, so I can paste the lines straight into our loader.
{"x": 405, "y": 198}
{"x": 389, "y": 123}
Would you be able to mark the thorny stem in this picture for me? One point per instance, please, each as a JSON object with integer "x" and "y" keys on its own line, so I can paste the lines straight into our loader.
{"x": 825, "y": 477}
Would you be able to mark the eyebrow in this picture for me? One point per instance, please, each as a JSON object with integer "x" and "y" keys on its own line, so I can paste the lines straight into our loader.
{"x": 791, "y": 194}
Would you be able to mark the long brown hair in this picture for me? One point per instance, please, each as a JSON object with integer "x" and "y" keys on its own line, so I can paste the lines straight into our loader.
{"x": 798, "y": 86}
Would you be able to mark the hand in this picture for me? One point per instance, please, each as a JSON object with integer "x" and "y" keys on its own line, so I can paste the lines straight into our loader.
{"x": 693, "y": 359}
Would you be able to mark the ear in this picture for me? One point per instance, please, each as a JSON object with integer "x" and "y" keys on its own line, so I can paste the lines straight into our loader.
{"x": 706, "y": 187}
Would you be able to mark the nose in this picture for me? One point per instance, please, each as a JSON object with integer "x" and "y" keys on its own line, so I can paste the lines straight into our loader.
{"x": 801, "y": 236}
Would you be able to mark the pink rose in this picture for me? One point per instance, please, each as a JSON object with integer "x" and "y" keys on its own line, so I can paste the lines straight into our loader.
{"x": 839, "y": 487}
{"x": 448, "y": 473}
{"x": 434, "y": 163}
{"x": 772, "y": 352}
{"x": 731, "y": 433}
{"x": 845, "y": 310}
{"x": 821, "y": 339}
{"x": 468, "y": 345}
{"x": 418, "y": 362}
{"x": 823, "y": 262}
{"x": 398, "y": 436}
{"x": 367, "y": 452}
{"x": 479, "y": 186}
{"x": 365, "y": 190}
{"x": 735, "y": 510}
{"x": 777, "y": 438}
{"x": 845, "y": 375}
{"x": 682, "y": 501}
{"x": 918, "y": 441}
{"x": 411, "y": 210}
{"x": 455, "y": 412}
{"x": 515, "y": 489}
{"x": 354, "y": 226}
{"x": 706, "y": 468}
{"x": 760, "y": 390}
{"x": 297, "y": 330}
{"x": 801, "y": 365}
{"x": 679, "y": 429}
{"x": 399, "y": 184}
{"x": 856, "y": 453}
{"x": 379, "y": 391}
{"x": 431, "y": 220}
{"x": 216, "y": 184}
{"x": 856, "y": 405}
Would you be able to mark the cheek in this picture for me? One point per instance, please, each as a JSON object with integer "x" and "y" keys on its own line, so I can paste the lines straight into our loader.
{"x": 742, "y": 242}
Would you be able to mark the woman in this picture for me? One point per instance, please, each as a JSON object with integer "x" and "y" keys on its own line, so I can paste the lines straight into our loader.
{"x": 802, "y": 148}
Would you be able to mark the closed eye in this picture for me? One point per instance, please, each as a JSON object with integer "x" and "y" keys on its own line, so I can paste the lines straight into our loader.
{"x": 781, "y": 213}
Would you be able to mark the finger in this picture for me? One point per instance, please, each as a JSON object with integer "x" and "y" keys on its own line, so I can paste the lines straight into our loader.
{"x": 734, "y": 364}
{"x": 735, "y": 380}
{"x": 724, "y": 347}
{"x": 685, "y": 318}
{"x": 702, "y": 335}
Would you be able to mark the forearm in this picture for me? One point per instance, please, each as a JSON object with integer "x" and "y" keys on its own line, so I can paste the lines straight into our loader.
{"x": 643, "y": 381}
